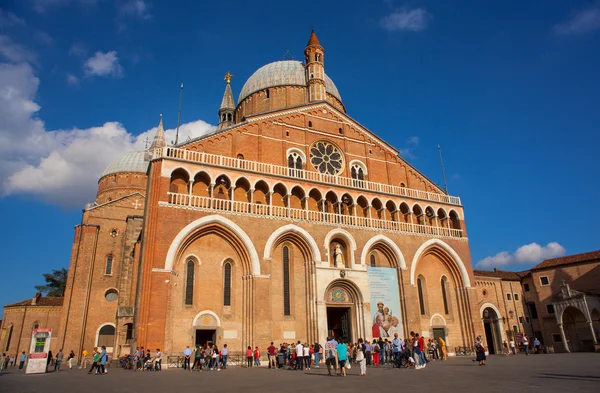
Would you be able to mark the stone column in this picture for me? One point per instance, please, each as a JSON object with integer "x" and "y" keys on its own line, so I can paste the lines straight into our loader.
{"x": 212, "y": 192}
{"x": 564, "y": 337}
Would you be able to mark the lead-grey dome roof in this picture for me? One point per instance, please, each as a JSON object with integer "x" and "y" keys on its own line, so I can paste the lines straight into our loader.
{"x": 134, "y": 161}
{"x": 281, "y": 73}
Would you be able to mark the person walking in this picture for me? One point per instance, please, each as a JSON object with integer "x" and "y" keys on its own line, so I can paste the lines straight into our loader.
{"x": 2, "y": 361}
{"x": 70, "y": 359}
{"x": 537, "y": 345}
{"x": 158, "y": 360}
{"x": 102, "y": 361}
{"x": 224, "y": 356}
{"x": 215, "y": 358}
{"x": 513, "y": 349}
{"x": 361, "y": 357}
{"x": 187, "y": 352}
{"x": 331, "y": 354}
{"x": 480, "y": 350}
{"x": 197, "y": 359}
{"x": 342, "y": 351}
{"x": 59, "y": 358}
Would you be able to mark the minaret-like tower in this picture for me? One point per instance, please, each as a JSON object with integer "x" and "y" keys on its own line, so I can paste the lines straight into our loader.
{"x": 315, "y": 69}
{"x": 158, "y": 142}
{"x": 227, "y": 106}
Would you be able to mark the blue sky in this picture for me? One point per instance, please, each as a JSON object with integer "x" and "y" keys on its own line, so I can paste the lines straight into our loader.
{"x": 510, "y": 89}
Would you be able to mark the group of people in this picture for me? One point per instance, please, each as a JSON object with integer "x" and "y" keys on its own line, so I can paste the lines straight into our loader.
{"x": 537, "y": 346}
{"x": 142, "y": 360}
{"x": 206, "y": 357}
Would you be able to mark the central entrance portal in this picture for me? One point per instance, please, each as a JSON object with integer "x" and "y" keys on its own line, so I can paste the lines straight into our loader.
{"x": 339, "y": 322}
{"x": 206, "y": 336}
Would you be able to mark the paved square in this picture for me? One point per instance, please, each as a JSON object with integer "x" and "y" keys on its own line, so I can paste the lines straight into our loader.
{"x": 537, "y": 373}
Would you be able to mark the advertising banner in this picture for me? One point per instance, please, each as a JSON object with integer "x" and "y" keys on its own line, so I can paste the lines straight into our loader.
{"x": 385, "y": 302}
{"x": 38, "y": 351}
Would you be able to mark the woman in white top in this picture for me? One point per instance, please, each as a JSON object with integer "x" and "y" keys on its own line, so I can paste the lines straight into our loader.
{"x": 360, "y": 357}
{"x": 306, "y": 356}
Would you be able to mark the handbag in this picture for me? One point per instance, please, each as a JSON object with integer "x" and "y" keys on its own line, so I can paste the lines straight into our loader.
{"x": 348, "y": 366}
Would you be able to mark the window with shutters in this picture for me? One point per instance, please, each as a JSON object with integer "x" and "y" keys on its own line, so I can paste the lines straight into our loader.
{"x": 189, "y": 283}
{"x": 286, "y": 281}
{"x": 227, "y": 284}
{"x": 445, "y": 296}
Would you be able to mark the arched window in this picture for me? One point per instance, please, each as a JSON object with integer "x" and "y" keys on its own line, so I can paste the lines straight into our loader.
{"x": 106, "y": 336}
{"x": 373, "y": 263}
{"x": 8, "y": 337}
{"x": 357, "y": 172}
{"x": 421, "y": 297}
{"x": 310, "y": 122}
{"x": 227, "y": 284}
{"x": 109, "y": 264}
{"x": 36, "y": 325}
{"x": 189, "y": 283}
{"x": 268, "y": 94}
{"x": 444, "y": 295}
{"x": 286, "y": 281}
{"x": 295, "y": 164}
{"x": 128, "y": 331}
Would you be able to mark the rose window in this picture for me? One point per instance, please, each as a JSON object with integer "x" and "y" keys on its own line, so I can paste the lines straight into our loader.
{"x": 326, "y": 158}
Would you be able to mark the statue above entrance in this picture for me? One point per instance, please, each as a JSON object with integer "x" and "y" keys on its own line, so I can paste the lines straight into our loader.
{"x": 338, "y": 257}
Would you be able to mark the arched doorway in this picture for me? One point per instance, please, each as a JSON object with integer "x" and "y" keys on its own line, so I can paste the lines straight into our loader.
{"x": 577, "y": 331}
{"x": 205, "y": 325}
{"x": 492, "y": 329}
{"x": 344, "y": 311}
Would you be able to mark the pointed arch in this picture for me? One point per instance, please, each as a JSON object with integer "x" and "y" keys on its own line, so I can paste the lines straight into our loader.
{"x": 401, "y": 263}
{"x": 345, "y": 235}
{"x": 437, "y": 242}
{"x": 217, "y": 223}
{"x": 280, "y": 232}
{"x": 206, "y": 312}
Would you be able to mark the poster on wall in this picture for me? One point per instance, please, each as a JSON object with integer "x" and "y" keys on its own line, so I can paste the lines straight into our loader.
{"x": 38, "y": 351}
{"x": 386, "y": 317}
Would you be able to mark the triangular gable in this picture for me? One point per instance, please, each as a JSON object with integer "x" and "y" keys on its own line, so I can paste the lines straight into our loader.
{"x": 369, "y": 135}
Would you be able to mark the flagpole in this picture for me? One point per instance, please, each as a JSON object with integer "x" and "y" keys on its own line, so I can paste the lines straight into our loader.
{"x": 443, "y": 172}
{"x": 179, "y": 116}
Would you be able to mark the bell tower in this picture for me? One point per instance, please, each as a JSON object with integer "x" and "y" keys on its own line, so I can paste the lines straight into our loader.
{"x": 315, "y": 69}
{"x": 227, "y": 106}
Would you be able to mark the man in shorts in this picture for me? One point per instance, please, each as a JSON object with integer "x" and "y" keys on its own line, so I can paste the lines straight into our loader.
{"x": 331, "y": 354}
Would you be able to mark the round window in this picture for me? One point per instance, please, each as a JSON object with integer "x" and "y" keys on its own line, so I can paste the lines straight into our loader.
{"x": 326, "y": 158}
{"x": 484, "y": 292}
{"x": 111, "y": 295}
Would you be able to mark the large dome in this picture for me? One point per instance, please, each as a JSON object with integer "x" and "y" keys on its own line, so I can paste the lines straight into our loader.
{"x": 134, "y": 161}
{"x": 281, "y": 73}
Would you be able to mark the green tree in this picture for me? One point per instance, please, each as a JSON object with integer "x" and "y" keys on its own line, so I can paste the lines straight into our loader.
{"x": 55, "y": 283}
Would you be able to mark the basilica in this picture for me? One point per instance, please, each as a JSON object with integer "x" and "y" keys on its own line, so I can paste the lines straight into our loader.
{"x": 291, "y": 221}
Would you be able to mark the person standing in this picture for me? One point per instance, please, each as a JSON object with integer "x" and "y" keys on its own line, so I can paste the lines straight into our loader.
{"x": 59, "y": 358}
{"x": 84, "y": 359}
{"x": 271, "y": 355}
{"x": 158, "y": 360}
{"x": 317, "y": 351}
{"x": 306, "y": 356}
{"x": 2, "y": 361}
{"x": 197, "y": 359}
{"x": 375, "y": 351}
{"x": 526, "y": 344}
{"x": 397, "y": 349}
{"x": 368, "y": 352}
{"x": 215, "y": 358}
{"x": 22, "y": 359}
{"x": 421, "y": 341}
{"x": 511, "y": 343}
{"x": 249, "y": 356}
{"x": 187, "y": 352}
{"x": 480, "y": 350}
{"x": 224, "y": 356}
{"x": 299, "y": 356}
{"x": 70, "y": 359}
{"x": 49, "y": 361}
{"x": 256, "y": 357}
{"x": 361, "y": 357}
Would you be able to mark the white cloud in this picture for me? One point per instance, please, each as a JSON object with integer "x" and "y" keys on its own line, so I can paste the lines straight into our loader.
{"x": 14, "y": 52}
{"x": 411, "y": 145}
{"x": 103, "y": 64}
{"x": 406, "y": 20}
{"x": 44, "y": 37}
{"x": 8, "y": 19}
{"x": 136, "y": 8}
{"x": 78, "y": 49}
{"x": 528, "y": 254}
{"x": 59, "y": 166}
{"x": 72, "y": 79}
{"x": 581, "y": 21}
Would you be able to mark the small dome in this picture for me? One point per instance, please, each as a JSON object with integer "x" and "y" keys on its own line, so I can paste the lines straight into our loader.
{"x": 281, "y": 73}
{"x": 134, "y": 161}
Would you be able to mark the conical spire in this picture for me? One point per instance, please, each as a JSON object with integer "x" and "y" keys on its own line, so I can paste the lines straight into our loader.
{"x": 159, "y": 138}
{"x": 313, "y": 40}
{"x": 227, "y": 106}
